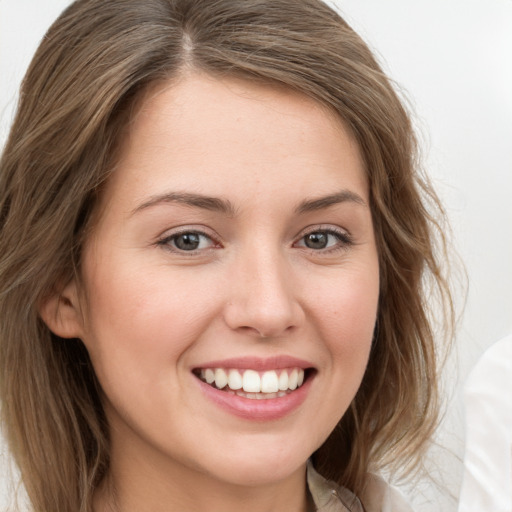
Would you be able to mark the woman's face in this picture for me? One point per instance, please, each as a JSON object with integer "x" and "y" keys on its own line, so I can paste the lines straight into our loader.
{"x": 235, "y": 243}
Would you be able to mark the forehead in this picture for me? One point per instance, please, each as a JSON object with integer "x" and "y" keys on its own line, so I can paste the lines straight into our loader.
{"x": 204, "y": 132}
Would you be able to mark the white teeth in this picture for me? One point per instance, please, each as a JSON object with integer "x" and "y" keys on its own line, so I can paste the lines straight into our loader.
{"x": 269, "y": 382}
{"x": 221, "y": 379}
{"x": 253, "y": 384}
{"x": 209, "y": 375}
{"x": 283, "y": 381}
{"x": 234, "y": 380}
{"x": 251, "y": 381}
{"x": 292, "y": 380}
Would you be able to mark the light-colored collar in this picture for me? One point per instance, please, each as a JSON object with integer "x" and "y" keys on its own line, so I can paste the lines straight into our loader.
{"x": 377, "y": 496}
{"x": 330, "y": 497}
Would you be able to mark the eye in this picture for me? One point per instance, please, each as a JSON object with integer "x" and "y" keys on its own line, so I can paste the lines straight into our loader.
{"x": 187, "y": 241}
{"x": 319, "y": 240}
{"x": 325, "y": 239}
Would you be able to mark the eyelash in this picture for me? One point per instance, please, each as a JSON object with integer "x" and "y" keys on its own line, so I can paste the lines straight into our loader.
{"x": 344, "y": 241}
{"x": 169, "y": 241}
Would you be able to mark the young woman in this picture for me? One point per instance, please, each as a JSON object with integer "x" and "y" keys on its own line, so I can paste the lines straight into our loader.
{"x": 214, "y": 257}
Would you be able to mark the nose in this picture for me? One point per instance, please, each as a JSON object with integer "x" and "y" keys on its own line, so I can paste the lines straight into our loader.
{"x": 262, "y": 296}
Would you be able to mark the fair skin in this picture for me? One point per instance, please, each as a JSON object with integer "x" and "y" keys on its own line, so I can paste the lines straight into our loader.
{"x": 235, "y": 234}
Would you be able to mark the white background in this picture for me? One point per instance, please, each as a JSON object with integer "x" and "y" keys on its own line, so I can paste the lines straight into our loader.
{"x": 453, "y": 58}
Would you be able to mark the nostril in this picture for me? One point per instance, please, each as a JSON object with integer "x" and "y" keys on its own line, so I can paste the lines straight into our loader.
{"x": 252, "y": 330}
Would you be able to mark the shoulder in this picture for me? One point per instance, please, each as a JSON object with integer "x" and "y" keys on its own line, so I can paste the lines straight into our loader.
{"x": 378, "y": 496}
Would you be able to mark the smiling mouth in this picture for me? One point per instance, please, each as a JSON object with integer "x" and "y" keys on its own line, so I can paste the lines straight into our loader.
{"x": 252, "y": 384}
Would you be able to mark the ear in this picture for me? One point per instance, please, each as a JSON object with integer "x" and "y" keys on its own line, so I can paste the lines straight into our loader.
{"x": 61, "y": 312}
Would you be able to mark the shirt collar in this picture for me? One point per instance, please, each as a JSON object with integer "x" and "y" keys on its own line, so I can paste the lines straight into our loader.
{"x": 330, "y": 497}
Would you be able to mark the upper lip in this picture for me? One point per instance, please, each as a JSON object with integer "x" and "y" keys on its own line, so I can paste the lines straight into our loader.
{"x": 257, "y": 363}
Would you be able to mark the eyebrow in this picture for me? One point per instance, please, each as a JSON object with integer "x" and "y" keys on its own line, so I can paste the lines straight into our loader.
{"x": 196, "y": 200}
{"x": 225, "y": 206}
{"x": 310, "y": 205}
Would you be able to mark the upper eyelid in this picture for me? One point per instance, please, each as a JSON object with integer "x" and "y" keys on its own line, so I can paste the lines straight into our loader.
{"x": 180, "y": 230}
{"x": 323, "y": 227}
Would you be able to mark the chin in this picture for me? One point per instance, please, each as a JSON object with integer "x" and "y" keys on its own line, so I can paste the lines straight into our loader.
{"x": 256, "y": 466}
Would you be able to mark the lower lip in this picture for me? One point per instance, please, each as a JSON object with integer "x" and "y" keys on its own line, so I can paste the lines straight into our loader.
{"x": 257, "y": 410}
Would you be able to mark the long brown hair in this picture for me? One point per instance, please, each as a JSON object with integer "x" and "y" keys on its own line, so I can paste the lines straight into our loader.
{"x": 79, "y": 91}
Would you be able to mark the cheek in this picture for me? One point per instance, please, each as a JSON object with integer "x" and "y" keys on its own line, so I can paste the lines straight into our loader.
{"x": 346, "y": 316}
{"x": 141, "y": 321}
